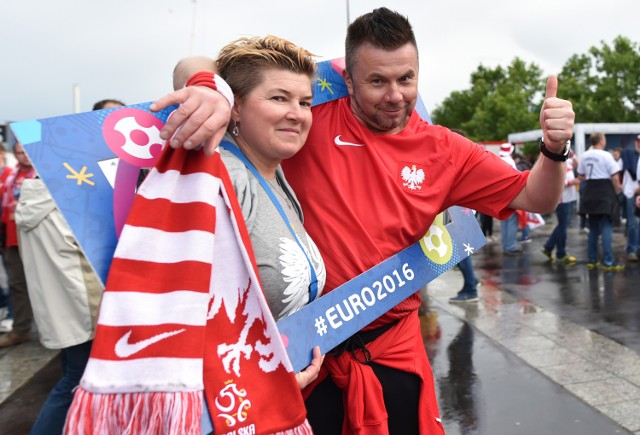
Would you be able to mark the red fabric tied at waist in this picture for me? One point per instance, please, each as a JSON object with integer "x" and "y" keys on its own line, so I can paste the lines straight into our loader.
{"x": 400, "y": 347}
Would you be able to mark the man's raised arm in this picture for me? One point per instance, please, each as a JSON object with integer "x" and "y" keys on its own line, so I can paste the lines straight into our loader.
{"x": 203, "y": 114}
{"x": 546, "y": 181}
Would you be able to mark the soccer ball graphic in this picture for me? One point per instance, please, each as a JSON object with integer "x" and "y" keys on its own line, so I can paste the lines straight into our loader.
{"x": 134, "y": 136}
{"x": 433, "y": 241}
{"x": 437, "y": 244}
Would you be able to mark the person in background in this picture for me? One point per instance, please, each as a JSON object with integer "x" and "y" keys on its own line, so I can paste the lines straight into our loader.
{"x": 630, "y": 188}
{"x": 469, "y": 291}
{"x": 564, "y": 211}
{"x": 509, "y": 226}
{"x": 523, "y": 165}
{"x": 525, "y": 237}
{"x": 620, "y": 217}
{"x": 382, "y": 382}
{"x": 6, "y": 313}
{"x": 18, "y": 292}
{"x": 486, "y": 225}
{"x": 63, "y": 289}
{"x": 583, "y": 228}
{"x": 600, "y": 201}
{"x": 617, "y": 153}
{"x": 107, "y": 104}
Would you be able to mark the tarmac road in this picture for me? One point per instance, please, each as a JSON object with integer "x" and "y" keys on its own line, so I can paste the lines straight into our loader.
{"x": 575, "y": 330}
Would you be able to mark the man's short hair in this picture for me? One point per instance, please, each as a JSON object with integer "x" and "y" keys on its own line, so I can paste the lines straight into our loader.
{"x": 595, "y": 138}
{"x": 382, "y": 28}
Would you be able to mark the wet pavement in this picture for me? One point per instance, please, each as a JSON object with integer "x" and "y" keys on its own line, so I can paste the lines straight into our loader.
{"x": 547, "y": 349}
{"x": 555, "y": 349}
{"x": 484, "y": 388}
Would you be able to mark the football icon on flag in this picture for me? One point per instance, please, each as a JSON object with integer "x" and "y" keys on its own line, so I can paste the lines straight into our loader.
{"x": 90, "y": 162}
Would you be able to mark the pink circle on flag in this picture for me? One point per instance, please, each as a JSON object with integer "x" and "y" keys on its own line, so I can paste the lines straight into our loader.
{"x": 285, "y": 340}
{"x": 134, "y": 136}
{"x": 139, "y": 137}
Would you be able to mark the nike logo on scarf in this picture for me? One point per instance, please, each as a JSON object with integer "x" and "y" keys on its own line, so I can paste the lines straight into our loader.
{"x": 125, "y": 349}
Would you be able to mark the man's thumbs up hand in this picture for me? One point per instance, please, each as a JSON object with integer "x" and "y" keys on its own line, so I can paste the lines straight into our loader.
{"x": 556, "y": 118}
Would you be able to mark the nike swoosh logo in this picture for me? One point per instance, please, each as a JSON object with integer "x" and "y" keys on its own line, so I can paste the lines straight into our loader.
{"x": 125, "y": 349}
{"x": 339, "y": 142}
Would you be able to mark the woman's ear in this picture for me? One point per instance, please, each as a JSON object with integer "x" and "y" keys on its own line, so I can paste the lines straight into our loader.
{"x": 235, "y": 110}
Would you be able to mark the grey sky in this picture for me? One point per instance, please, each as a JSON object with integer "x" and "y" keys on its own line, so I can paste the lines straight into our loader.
{"x": 126, "y": 49}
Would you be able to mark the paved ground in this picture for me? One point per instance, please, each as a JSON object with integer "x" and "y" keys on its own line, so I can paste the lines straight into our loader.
{"x": 573, "y": 327}
{"x": 548, "y": 349}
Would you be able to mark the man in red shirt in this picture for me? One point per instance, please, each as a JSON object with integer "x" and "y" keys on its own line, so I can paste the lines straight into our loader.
{"x": 371, "y": 179}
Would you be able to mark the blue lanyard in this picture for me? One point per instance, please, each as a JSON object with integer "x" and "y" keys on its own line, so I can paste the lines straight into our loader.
{"x": 233, "y": 149}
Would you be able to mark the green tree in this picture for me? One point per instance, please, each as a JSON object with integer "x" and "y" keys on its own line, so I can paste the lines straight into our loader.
{"x": 576, "y": 83}
{"x": 500, "y": 101}
{"x": 604, "y": 84}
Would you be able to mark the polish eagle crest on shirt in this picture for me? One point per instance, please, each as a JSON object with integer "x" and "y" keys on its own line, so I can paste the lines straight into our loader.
{"x": 412, "y": 177}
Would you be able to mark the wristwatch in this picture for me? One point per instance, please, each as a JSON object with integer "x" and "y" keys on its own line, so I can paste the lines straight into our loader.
{"x": 562, "y": 157}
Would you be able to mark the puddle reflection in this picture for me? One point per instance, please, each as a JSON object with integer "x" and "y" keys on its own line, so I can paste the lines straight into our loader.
{"x": 457, "y": 383}
{"x": 458, "y": 395}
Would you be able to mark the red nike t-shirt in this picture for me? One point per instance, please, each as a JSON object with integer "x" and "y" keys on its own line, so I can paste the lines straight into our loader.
{"x": 367, "y": 196}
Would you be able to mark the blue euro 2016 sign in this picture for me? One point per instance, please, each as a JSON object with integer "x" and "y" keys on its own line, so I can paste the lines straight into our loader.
{"x": 337, "y": 315}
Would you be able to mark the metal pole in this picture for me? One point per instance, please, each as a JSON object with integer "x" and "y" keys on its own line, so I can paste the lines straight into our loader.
{"x": 348, "y": 18}
{"x": 76, "y": 98}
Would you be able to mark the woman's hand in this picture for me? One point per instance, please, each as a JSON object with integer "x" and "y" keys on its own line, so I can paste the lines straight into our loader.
{"x": 310, "y": 373}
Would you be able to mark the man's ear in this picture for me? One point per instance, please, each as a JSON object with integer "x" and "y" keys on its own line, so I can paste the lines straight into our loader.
{"x": 347, "y": 81}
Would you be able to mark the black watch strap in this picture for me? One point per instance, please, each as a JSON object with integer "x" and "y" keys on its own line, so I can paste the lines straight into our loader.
{"x": 555, "y": 156}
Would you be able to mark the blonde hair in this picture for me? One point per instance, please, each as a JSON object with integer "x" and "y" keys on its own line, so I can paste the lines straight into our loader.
{"x": 242, "y": 62}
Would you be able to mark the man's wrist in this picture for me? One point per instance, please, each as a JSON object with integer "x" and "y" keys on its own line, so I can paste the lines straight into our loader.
{"x": 212, "y": 81}
{"x": 556, "y": 157}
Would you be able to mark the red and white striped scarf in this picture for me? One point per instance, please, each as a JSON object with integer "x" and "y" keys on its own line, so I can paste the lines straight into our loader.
{"x": 183, "y": 317}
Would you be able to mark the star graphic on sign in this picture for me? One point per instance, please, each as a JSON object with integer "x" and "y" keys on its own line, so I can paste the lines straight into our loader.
{"x": 81, "y": 177}
{"x": 466, "y": 211}
{"x": 325, "y": 84}
{"x": 468, "y": 249}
